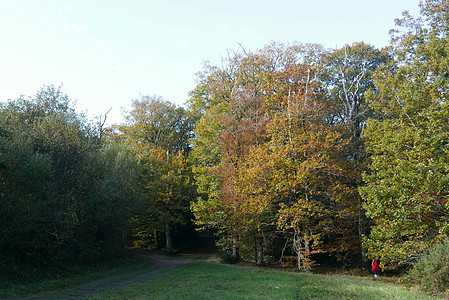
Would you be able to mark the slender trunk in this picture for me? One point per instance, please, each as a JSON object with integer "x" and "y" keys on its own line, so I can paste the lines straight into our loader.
{"x": 306, "y": 260}
{"x": 259, "y": 245}
{"x": 168, "y": 239}
{"x": 364, "y": 257}
{"x": 297, "y": 247}
{"x": 235, "y": 252}
{"x": 306, "y": 242}
{"x": 124, "y": 242}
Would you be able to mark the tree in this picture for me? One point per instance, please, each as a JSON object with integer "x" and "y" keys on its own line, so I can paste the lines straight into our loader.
{"x": 406, "y": 192}
{"x": 347, "y": 74}
{"x": 57, "y": 204}
{"x": 298, "y": 176}
{"x": 119, "y": 192}
{"x": 262, "y": 112}
{"x": 24, "y": 187}
{"x": 233, "y": 121}
{"x": 159, "y": 132}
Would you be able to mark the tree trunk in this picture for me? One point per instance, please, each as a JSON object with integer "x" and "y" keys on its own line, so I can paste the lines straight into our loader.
{"x": 124, "y": 241}
{"x": 259, "y": 245}
{"x": 364, "y": 257}
{"x": 306, "y": 260}
{"x": 297, "y": 247}
{"x": 235, "y": 252}
{"x": 168, "y": 239}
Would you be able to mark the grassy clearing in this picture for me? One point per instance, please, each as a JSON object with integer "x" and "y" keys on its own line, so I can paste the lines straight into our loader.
{"x": 205, "y": 280}
{"x": 32, "y": 283}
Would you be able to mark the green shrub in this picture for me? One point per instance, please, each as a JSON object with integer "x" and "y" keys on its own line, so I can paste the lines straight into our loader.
{"x": 227, "y": 257}
{"x": 431, "y": 271}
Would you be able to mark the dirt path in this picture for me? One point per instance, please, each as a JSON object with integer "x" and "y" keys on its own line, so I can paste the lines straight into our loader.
{"x": 161, "y": 264}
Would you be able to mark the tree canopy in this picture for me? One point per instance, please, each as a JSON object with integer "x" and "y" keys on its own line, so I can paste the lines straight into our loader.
{"x": 158, "y": 133}
{"x": 406, "y": 191}
{"x": 65, "y": 196}
{"x": 292, "y": 153}
{"x": 273, "y": 148}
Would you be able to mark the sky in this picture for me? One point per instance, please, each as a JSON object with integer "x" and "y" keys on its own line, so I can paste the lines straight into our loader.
{"x": 105, "y": 53}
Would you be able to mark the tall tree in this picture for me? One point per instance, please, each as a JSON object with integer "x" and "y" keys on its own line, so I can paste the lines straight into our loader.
{"x": 406, "y": 192}
{"x": 347, "y": 74}
{"x": 300, "y": 173}
{"x": 233, "y": 121}
{"x": 159, "y": 133}
{"x": 270, "y": 99}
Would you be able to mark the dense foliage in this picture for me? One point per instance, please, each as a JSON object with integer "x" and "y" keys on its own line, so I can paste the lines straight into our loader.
{"x": 158, "y": 133}
{"x": 65, "y": 196}
{"x": 407, "y": 188}
{"x": 290, "y": 153}
{"x": 277, "y": 154}
{"x": 431, "y": 271}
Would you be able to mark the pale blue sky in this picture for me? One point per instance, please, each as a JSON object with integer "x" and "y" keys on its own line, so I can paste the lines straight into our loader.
{"x": 106, "y": 53}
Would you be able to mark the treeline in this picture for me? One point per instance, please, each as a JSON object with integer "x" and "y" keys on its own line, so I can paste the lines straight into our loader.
{"x": 66, "y": 196}
{"x": 75, "y": 192}
{"x": 293, "y": 153}
{"x": 279, "y": 155}
{"x": 306, "y": 153}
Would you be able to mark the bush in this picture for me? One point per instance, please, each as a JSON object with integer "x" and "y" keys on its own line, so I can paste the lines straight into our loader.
{"x": 227, "y": 257}
{"x": 431, "y": 271}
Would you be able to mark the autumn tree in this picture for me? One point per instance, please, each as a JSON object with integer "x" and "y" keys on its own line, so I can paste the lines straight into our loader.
{"x": 232, "y": 122}
{"x": 158, "y": 133}
{"x": 406, "y": 192}
{"x": 298, "y": 177}
{"x": 347, "y": 74}
{"x": 257, "y": 110}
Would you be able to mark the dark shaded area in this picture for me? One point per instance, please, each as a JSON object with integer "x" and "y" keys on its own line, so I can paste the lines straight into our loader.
{"x": 161, "y": 264}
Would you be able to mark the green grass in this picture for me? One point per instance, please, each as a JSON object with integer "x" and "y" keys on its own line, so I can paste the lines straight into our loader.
{"x": 15, "y": 285}
{"x": 205, "y": 280}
